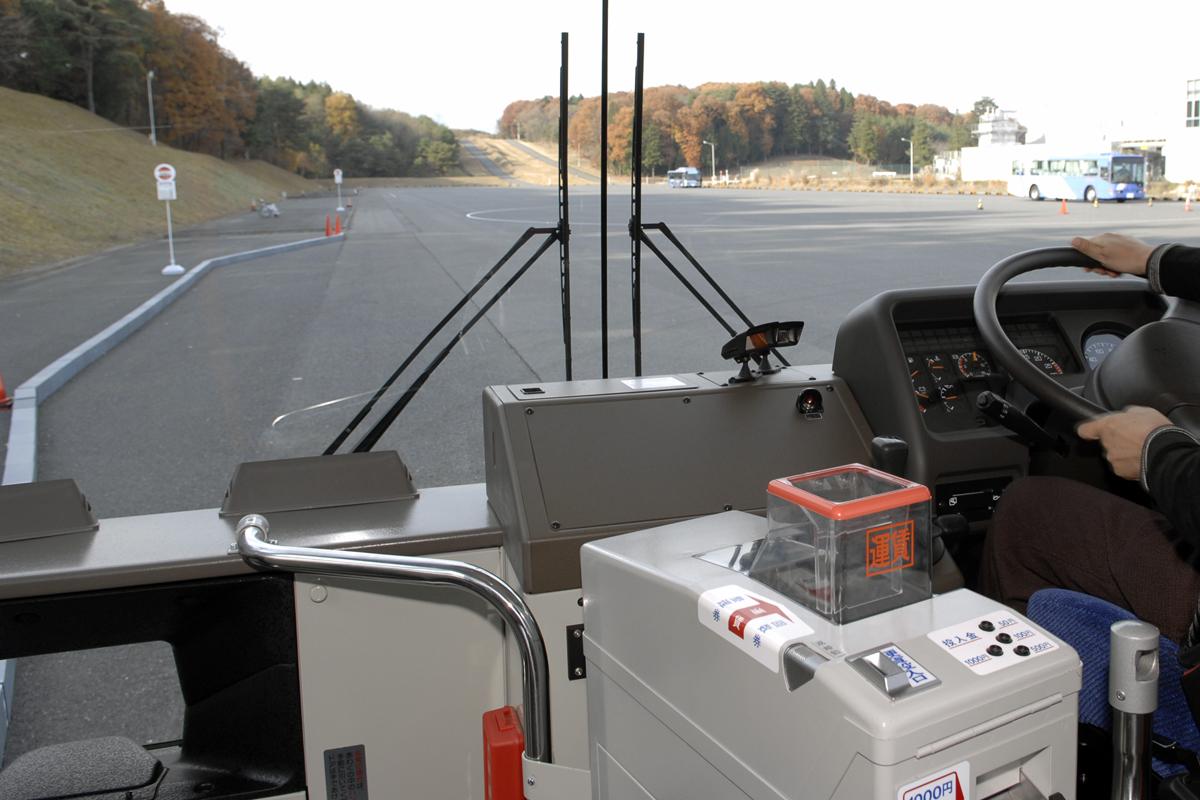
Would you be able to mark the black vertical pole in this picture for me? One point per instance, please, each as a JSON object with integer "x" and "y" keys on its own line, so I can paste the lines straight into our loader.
{"x": 604, "y": 189}
{"x": 564, "y": 221}
{"x": 635, "y": 219}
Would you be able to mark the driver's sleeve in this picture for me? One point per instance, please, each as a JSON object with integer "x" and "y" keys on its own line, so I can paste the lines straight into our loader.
{"x": 1171, "y": 474}
{"x": 1174, "y": 269}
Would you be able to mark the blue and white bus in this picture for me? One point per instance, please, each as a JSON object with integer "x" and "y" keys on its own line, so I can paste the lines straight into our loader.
{"x": 684, "y": 178}
{"x": 1096, "y": 176}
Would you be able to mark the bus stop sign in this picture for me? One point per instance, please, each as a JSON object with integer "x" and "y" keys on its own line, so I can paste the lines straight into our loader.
{"x": 164, "y": 174}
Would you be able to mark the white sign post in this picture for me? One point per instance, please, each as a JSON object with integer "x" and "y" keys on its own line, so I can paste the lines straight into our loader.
{"x": 164, "y": 175}
{"x": 337, "y": 178}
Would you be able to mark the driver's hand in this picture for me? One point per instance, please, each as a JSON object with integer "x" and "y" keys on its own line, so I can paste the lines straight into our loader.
{"x": 1122, "y": 435}
{"x": 1119, "y": 254}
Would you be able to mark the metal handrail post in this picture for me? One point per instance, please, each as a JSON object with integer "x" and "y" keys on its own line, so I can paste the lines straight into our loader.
{"x": 262, "y": 553}
{"x": 1133, "y": 696}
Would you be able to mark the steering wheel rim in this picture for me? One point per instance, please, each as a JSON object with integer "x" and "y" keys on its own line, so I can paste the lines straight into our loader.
{"x": 1001, "y": 347}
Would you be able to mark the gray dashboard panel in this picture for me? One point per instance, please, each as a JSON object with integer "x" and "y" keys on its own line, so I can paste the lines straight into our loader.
{"x": 563, "y": 470}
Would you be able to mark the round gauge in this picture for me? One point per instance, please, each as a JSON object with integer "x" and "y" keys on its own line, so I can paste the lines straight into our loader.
{"x": 1042, "y": 361}
{"x": 1097, "y": 347}
{"x": 919, "y": 383}
{"x": 973, "y": 365}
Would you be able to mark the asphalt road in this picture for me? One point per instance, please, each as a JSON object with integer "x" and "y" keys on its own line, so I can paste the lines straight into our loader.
{"x": 48, "y": 311}
{"x": 270, "y": 358}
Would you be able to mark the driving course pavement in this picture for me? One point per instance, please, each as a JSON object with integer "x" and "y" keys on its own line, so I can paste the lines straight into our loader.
{"x": 271, "y": 357}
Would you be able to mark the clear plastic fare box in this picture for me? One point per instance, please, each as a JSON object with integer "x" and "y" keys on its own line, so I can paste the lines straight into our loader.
{"x": 848, "y": 542}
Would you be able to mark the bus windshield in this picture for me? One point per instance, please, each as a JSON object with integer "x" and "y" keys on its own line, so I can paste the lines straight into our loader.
{"x": 1128, "y": 170}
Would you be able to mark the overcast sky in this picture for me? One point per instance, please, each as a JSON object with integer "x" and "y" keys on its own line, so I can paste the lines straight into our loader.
{"x": 1072, "y": 69}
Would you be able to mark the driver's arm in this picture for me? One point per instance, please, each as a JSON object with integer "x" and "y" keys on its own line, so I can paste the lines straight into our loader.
{"x": 1172, "y": 269}
{"x": 1141, "y": 444}
{"x": 1171, "y": 474}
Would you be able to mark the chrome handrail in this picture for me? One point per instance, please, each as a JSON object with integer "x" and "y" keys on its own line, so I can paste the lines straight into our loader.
{"x": 263, "y": 553}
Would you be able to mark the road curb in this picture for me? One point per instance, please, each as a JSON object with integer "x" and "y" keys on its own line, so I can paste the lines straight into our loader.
{"x": 20, "y": 463}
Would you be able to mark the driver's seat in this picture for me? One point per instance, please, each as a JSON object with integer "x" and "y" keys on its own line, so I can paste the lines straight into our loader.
{"x": 1083, "y": 622}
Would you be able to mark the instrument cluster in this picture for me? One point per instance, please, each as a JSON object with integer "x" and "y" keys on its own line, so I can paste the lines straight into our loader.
{"x": 948, "y": 366}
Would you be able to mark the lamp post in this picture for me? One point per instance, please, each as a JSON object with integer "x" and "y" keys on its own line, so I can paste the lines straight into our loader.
{"x": 910, "y": 157}
{"x": 150, "y": 100}
{"x": 714, "y": 158}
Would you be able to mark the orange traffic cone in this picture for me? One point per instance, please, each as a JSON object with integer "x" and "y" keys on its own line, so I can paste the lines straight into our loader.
{"x": 337, "y": 225}
{"x": 328, "y": 229}
{"x": 1063, "y": 208}
{"x": 5, "y": 400}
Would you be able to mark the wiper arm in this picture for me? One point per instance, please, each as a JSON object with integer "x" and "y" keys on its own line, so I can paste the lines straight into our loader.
{"x": 366, "y": 409}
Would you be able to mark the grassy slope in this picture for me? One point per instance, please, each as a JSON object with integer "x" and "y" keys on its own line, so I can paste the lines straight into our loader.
{"x": 72, "y": 183}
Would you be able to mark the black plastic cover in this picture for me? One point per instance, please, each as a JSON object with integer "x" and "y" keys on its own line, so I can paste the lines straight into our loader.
{"x": 300, "y": 484}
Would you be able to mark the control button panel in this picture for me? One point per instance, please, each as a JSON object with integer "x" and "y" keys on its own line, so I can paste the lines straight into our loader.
{"x": 992, "y": 642}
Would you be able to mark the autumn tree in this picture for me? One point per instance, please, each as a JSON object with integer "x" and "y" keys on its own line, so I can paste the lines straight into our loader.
{"x": 205, "y": 98}
{"x": 341, "y": 116}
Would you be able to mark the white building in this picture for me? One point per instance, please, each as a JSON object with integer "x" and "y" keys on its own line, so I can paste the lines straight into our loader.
{"x": 999, "y": 127}
{"x": 1182, "y": 149}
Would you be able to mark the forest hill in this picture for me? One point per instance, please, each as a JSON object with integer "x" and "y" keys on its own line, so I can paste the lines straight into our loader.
{"x": 96, "y": 54}
{"x": 749, "y": 122}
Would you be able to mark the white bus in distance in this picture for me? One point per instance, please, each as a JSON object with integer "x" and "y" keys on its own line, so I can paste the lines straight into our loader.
{"x": 1096, "y": 176}
{"x": 684, "y": 178}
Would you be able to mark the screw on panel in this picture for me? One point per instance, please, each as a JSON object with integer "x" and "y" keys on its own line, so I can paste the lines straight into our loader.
{"x": 530, "y": 781}
{"x": 318, "y": 594}
{"x": 578, "y": 634}
{"x": 687, "y": 400}
{"x": 555, "y": 525}
{"x": 579, "y": 672}
{"x": 529, "y": 412}
{"x": 1120, "y": 695}
{"x": 727, "y": 507}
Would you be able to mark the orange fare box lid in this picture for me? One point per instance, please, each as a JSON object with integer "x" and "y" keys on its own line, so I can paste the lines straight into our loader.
{"x": 904, "y": 493}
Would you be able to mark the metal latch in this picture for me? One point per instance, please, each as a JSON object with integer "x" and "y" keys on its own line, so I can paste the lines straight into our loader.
{"x": 884, "y": 673}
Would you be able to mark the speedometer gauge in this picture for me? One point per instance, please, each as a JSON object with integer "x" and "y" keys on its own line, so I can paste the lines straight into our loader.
{"x": 1042, "y": 361}
{"x": 1098, "y": 346}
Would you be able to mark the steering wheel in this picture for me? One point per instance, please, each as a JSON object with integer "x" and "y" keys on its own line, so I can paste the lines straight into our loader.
{"x": 1158, "y": 365}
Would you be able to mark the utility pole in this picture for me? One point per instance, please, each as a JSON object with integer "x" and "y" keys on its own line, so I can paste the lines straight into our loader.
{"x": 150, "y": 101}
{"x": 714, "y": 159}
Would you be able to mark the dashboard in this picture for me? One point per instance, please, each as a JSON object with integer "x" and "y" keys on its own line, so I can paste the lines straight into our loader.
{"x": 949, "y": 365}
{"x": 916, "y": 364}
